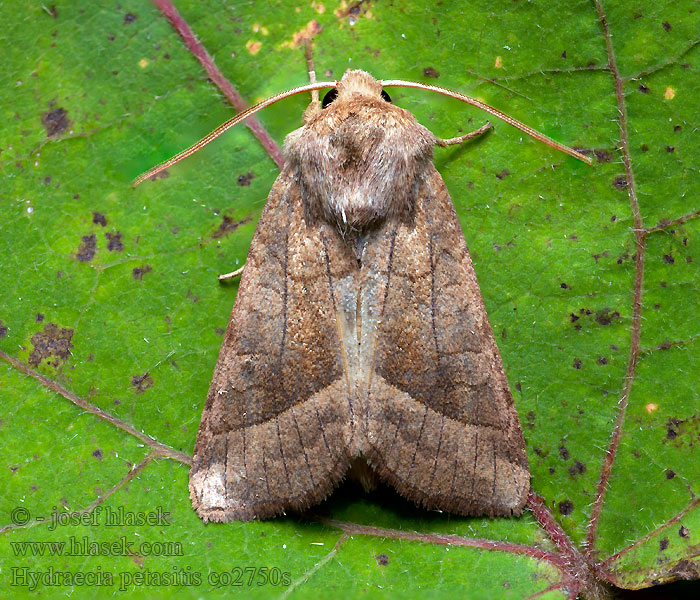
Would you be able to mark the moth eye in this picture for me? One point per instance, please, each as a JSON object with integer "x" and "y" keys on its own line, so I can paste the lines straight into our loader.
{"x": 386, "y": 96}
{"x": 331, "y": 95}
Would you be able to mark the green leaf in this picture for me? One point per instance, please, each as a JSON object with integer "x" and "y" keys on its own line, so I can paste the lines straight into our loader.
{"x": 111, "y": 315}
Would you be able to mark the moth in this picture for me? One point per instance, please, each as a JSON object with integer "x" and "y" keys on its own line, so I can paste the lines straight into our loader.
{"x": 359, "y": 337}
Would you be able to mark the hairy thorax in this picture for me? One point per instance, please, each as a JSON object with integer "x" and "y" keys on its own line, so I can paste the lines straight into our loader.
{"x": 360, "y": 160}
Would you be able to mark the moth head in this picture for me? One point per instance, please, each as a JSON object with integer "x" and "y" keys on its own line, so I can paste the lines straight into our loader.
{"x": 356, "y": 84}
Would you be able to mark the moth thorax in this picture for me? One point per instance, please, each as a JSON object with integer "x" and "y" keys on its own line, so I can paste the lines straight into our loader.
{"x": 360, "y": 163}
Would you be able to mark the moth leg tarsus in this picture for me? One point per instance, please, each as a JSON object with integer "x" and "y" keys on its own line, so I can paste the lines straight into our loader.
{"x": 464, "y": 138}
{"x": 232, "y": 274}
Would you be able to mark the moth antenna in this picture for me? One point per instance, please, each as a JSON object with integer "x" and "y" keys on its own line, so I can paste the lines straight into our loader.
{"x": 493, "y": 111}
{"x": 230, "y": 123}
{"x": 312, "y": 71}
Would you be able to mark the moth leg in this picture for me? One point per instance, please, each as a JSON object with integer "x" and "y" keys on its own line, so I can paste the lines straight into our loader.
{"x": 315, "y": 107}
{"x": 232, "y": 274}
{"x": 310, "y": 66}
{"x": 463, "y": 138}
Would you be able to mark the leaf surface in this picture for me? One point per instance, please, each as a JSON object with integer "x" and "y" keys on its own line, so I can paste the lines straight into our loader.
{"x": 110, "y": 294}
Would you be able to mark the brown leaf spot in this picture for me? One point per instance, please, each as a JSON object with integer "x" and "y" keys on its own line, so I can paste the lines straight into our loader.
{"x": 566, "y": 507}
{"x": 138, "y": 560}
{"x": 683, "y": 531}
{"x": 564, "y": 452}
{"x": 670, "y": 148}
{"x": 99, "y": 219}
{"x": 602, "y": 360}
{"x": 129, "y": 18}
{"x": 671, "y": 429}
{"x": 141, "y": 383}
{"x": 668, "y": 259}
{"x": 530, "y": 420}
{"x": 51, "y": 342}
{"x": 228, "y": 225}
{"x": 244, "y": 180}
{"x": 164, "y": 174}
{"x": 577, "y": 363}
{"x": 503, "y": 174}
{"x": 139, "y": 272}
{"x": 666, "y": 25}
{"x": 86, "y": 251}
{"x": 114, "y": 242}
{"x": 606, "y": 316}
{"x": 253, "y": 46}
{"x": 577, "y": 469}
{"x": 312, "y": 28}
{"x": 620, "y": 182}
{"x": 3, "y": 330}
{"x": 98, "y": 454}
{"x": 670, "y": 474}
{"x": 644, "y": 148}
{"x": 602, "y": 156}
{"x": 644, "y": 89}
{"x": 663, "y": 544}
{"x": 685, "y": 569}
{"x": 431, "y": 72}
{"x": 55, "y": 122}
{"x": 382, "y": 560}
{"x": 39, "y": 317}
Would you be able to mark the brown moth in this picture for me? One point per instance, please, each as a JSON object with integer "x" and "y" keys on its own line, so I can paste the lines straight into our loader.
{"x": 359, "y": 335}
